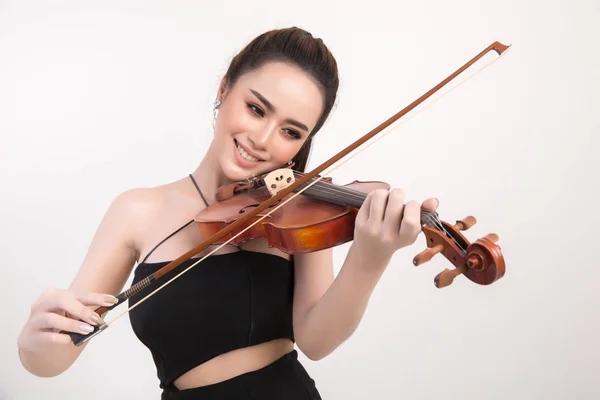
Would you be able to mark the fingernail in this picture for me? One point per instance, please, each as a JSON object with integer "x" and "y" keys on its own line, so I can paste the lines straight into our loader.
{"x": 110, "y": 300}
{"x": 86, "y": 328}
{"x": 437, "y": 202}
{"x": 96, "y": 318}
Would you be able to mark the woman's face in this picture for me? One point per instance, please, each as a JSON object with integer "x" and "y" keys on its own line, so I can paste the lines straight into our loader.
{"x": 264, "y": 119}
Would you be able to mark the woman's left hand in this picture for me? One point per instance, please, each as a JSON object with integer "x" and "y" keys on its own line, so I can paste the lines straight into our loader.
{"x": 385, "y": 223}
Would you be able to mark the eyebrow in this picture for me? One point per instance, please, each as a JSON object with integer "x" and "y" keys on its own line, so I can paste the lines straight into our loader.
{"x": 271, "y": 107}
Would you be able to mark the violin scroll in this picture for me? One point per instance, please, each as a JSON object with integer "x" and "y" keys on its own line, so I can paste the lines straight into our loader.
{"x": 481, "y": 262}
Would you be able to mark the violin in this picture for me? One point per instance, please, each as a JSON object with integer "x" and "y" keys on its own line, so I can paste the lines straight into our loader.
{"x": 304, "y": 212}
{"x": 323, "y": 216}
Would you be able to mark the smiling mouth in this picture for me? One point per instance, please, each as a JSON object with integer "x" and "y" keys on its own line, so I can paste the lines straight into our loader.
{"x": 244, "y": 154}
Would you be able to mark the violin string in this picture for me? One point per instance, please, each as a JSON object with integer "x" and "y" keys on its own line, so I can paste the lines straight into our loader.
{"x": 333, "y": 186}
{"x": 338, "y": 192}
{"x": 441, "y": 228}
{"x": 361, "y": 196}
{"x": 343, "y": 192}
{"x": 357, "y": 195}
{"x": 429, "y": 221}
{"x": 309, "y": 184}
{"x": 432, "y": 218}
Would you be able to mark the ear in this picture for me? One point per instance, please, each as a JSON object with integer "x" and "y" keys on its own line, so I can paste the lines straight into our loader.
{"x": 223, "y": 88}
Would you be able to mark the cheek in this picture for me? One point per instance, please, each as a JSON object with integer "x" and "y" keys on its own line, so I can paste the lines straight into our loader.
{"x": 286, "y": 150}
{"x": 232, "y": 120}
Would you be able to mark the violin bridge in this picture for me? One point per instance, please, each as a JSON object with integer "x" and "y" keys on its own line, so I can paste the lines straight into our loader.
{"x": 278, "y": 180}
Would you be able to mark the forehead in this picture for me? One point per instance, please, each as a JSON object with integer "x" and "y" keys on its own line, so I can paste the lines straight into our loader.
{"x": 293, "y": 92}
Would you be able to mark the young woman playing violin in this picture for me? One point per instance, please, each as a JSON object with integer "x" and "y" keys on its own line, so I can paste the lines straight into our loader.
{"x": 240, "y": 313}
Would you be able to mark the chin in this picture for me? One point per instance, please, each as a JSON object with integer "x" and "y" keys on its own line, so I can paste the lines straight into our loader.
{"x": 235, "y": 174}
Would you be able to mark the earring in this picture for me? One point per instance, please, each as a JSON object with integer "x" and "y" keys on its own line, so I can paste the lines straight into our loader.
{"x": 216, "y": 105}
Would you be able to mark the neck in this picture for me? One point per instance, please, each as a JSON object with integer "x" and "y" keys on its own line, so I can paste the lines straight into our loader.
{"x": 209, "y": 176}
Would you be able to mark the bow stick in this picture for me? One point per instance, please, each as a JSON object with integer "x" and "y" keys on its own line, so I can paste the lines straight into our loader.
{"x": 79, "y": 339}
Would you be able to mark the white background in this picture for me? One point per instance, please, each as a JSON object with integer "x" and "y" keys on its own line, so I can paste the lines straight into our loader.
{"x": 100, "y": 97}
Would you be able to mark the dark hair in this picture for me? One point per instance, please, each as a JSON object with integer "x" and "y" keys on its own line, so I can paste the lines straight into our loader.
{"x": 300, "y": 48}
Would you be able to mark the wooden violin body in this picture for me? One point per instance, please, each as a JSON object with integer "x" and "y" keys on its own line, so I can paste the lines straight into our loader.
{"x": 302, "y": 225}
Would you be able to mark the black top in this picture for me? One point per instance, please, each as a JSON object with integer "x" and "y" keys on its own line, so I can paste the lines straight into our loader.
{"x": 226, "y": 302}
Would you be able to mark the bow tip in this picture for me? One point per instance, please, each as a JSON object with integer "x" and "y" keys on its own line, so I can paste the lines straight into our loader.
{"x": 500, "y": 48}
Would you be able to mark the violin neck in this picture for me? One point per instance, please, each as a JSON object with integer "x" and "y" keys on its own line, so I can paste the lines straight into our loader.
{"x": 346, "y": 197}
{"x": 332, "y": 193}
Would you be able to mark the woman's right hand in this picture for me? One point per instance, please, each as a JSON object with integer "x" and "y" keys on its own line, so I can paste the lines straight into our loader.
{"x": 61, "y": 310}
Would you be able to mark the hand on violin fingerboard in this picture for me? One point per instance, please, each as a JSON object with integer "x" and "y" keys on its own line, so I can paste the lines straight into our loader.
{"x": 386, "y": 223}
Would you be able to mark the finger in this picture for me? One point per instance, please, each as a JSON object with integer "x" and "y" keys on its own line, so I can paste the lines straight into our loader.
{"x": 377, "y": 208}
{"x": 42, "y": 338}
{"x": 66, "y": 302}
{"x": 96, "y": 299}
{"x": 411, "y": 222}
{"x": 431, "y": 204}
{"x": 363, "y": 212}
{"x": 55, "y": 337}
{"x": 56, "y": 321}
{"x": 393, "y": 213}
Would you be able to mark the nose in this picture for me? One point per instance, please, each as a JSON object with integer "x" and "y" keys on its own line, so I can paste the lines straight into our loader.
{"x": 259, "y": 138}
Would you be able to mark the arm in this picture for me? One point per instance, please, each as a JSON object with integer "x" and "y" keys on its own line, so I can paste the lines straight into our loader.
{"x": 109, "y": 260}
{"x": 327, "y": 310}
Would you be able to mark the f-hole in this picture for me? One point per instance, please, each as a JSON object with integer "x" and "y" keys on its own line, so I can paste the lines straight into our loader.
{"x": 243, "y": 210}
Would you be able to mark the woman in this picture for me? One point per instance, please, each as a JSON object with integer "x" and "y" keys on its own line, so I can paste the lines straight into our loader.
{"x": 240, "y": 313}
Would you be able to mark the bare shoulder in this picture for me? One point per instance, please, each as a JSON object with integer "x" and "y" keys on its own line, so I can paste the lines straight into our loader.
{"x": 113, "y": 250}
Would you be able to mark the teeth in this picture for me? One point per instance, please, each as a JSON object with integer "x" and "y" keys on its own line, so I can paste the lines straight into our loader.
{"x": 245, "y": 155}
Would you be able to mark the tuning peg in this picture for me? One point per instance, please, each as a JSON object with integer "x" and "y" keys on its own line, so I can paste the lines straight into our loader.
{"x": 427, "y": 254}
{"x": 465, "y": 223}
{"x": 492, "y": 237}
{"x": 446, "y": 277}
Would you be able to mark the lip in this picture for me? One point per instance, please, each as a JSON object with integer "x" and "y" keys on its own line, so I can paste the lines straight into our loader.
{"x": 241, "y": 160}
{"x": 247, "y": 150}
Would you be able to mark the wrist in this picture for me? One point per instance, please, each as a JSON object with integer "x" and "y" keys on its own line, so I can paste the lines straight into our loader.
{"x": 368, "y": 261}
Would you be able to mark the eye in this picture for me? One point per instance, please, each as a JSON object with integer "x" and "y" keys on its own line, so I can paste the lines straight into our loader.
{"x": 259, "y": 111}
{"x": 256, "y": 110}
{"x": 292, "y": 133}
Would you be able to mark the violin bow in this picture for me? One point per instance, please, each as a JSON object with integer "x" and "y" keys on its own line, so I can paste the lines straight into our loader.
{"x": 302, "y": 180}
